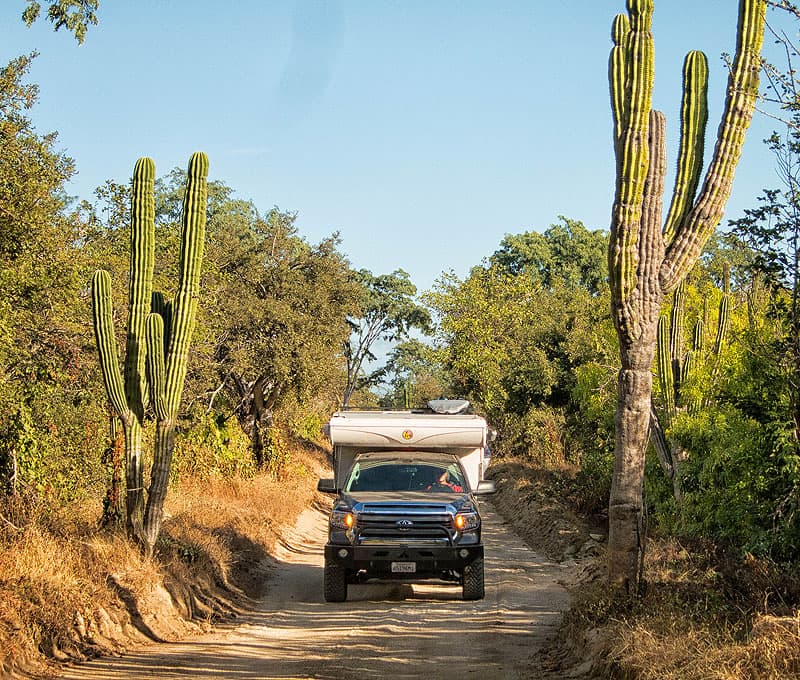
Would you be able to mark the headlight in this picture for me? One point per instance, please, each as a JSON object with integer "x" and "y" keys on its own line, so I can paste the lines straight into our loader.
{"x": 467, "y": 521}
{"x": 342, "y": 519}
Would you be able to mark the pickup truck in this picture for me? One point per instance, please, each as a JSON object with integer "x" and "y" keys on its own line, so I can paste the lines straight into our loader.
{"x": 406, "y": 485}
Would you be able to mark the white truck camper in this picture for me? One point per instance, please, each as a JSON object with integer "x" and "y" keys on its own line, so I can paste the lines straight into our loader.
{"x": 444, "y": 428}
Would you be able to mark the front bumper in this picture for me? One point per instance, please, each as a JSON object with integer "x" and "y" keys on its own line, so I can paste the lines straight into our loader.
{"x": 376, "y": 560}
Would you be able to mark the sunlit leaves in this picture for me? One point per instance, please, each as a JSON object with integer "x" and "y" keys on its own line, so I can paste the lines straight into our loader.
{"x": 74, "y": 15}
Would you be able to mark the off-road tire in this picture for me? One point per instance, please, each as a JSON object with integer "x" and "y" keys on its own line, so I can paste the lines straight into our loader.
{"x": 472, "y": 581}
{"x": 334, "y": 582}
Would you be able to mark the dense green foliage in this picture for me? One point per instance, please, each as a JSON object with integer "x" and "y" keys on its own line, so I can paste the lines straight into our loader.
{"x": 528, "y": 338}
{"x": 47, "y": 374}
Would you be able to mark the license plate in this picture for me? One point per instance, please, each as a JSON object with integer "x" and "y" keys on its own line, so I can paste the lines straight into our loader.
{"x": 404, "y": 567}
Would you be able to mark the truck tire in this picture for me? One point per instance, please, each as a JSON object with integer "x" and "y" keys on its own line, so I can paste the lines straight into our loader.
{"x": 472, "y": 581}
{"x": 334, "y": 583}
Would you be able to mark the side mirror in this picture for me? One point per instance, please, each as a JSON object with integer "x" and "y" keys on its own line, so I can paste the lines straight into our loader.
{"x": 327, "y": 486}
{"x": 485, "y": 487}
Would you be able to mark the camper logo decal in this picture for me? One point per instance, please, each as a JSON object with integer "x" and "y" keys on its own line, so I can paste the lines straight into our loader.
{"x": 407, "y": 434}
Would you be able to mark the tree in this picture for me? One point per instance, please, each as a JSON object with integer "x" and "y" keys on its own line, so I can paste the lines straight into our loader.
{"x": 567, "y": 253}
{"x": 645, "y": 263}
{"x": 389, "y": 313}
{"x": 772, "y": 230}
{"x": 292, "y": 299}
{"x": 42, "y": 315}
{"x": 417, "y": 375}
{"x": 74, "y": 15}
{"x": 529, "y": 354}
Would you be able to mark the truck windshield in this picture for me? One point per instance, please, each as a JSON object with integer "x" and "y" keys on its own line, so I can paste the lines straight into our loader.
{"x": 404, "y": 476}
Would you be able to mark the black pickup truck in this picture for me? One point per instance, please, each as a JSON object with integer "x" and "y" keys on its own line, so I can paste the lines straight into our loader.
{"x": 407, "y": 515}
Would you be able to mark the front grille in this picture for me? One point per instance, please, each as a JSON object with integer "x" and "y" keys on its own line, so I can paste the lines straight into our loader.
{"x": 427, "y": 522}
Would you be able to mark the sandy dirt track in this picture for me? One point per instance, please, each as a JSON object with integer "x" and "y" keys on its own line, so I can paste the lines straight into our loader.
{"x": 384, "y": 630}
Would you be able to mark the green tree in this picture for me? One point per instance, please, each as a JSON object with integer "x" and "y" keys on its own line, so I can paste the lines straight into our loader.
{"x": 74, "y": 15}
{"x": 417, "y": 375}
{"x": 278, "y": 332}
{"x": 567, "y": 254}
{"x": 47, "y": 384}
{"x": 387, "y": 312}
{"x": 531, "y": 355}
{"x": 772, "y": 230}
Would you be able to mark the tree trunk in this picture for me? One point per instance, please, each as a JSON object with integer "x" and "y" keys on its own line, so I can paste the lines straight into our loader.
{"x": 632, "y": 425}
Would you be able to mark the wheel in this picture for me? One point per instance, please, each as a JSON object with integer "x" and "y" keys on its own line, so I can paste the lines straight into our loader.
{"x": 472, "y": 581}
{"x": 334, "y": 583}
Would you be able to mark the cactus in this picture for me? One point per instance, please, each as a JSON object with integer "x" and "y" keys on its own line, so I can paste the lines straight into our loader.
{"x": 647, "y": 261}
{"x": 676, "y": 369}
{"x": 158, "y": 339}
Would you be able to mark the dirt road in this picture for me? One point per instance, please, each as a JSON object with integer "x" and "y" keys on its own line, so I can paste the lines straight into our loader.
{"x": 382, "y": 631}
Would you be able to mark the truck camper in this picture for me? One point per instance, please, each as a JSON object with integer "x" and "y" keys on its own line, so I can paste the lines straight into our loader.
{"x": 405, "y": 483}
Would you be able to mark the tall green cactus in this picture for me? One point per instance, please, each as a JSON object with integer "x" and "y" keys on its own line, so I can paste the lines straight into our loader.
{"x": 158, "y": 339}
{"x": 647, "y": 260}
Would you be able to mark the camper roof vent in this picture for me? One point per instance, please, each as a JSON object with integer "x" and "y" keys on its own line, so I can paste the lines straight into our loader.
{"x": 448, "y": 406}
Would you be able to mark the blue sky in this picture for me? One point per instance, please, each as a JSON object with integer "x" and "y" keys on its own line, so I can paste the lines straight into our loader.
{"x": 422, "y": 131}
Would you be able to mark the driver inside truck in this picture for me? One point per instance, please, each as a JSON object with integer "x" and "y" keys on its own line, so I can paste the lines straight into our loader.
{"x": 444, "y": 480}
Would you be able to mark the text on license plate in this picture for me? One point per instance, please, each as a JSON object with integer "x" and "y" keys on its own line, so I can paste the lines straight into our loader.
{"x": 404, "y": 567}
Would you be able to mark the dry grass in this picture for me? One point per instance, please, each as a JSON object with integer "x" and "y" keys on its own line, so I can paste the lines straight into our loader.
{"x": 704, "y": 616}
{"x": 668, "y": 647}
{"x": 69, "y": 589}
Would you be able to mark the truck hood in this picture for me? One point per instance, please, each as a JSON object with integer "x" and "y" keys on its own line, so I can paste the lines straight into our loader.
{"x": 356, "y": 501}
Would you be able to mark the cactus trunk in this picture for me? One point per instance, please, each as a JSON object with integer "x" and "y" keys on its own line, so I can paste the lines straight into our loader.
{"x": 645, "y": 262}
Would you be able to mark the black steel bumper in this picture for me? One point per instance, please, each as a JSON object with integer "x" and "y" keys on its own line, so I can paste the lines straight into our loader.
{"x": 377, "y": 559}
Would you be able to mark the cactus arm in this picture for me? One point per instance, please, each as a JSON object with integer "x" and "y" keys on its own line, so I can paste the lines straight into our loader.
{"x": 676, "y": 326}
{"x": 651, "y": 243}
{"x": 102, "y": 313}
{"x": 616, "y": 74}
{"x": 163, "y": 307}
{"x": 723, "y": 318}
{"x": 185, "y": 304}
{"x": 155, "y": 363}
{"x": 664, "y": 365}
{"x": 141, "y": 281}
{"x": 740, "y": 103}
{"x": 633, "y": 160}
{"x": 699, "y": 336}
{"x": 694, "y": 116}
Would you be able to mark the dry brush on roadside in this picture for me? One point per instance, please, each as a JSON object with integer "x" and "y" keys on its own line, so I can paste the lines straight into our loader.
{"x": 71, "y": 591}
